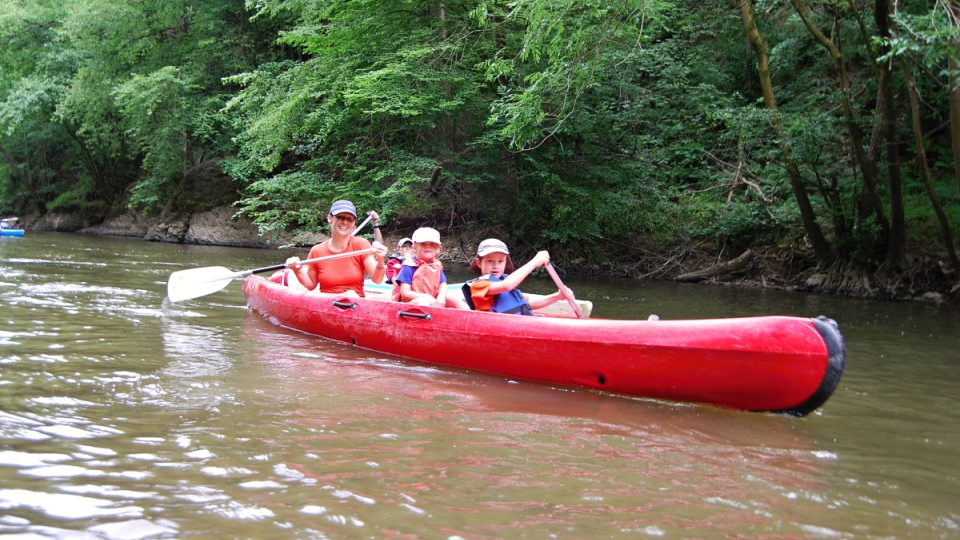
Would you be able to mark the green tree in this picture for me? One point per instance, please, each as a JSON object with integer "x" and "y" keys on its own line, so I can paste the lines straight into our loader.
{"x": 84, "y": 68}
{"x": 34, "y": 74}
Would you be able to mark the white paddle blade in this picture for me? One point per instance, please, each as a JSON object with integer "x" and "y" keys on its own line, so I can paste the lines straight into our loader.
{"x": 197, "y": 282}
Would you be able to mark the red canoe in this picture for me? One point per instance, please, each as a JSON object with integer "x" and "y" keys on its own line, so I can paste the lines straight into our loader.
{"x": 781, "y": 364}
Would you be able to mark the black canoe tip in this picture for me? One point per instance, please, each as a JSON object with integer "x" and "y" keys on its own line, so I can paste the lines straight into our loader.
{"x": 836, "y": 357}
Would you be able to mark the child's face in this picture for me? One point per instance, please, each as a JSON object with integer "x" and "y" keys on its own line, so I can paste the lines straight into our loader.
{"x": 493, "y": 263}
{"x": 406, "y": 250}
{"x": 427, "y": 251}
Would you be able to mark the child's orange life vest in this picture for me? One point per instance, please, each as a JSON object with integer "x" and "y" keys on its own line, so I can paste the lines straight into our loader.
{"x": 426, "y": 279}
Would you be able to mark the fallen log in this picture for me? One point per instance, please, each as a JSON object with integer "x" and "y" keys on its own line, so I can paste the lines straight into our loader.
{"x": 733, "y": 266}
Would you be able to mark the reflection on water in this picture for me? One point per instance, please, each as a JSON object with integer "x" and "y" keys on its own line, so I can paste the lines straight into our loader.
{"x": 125, "y": 416}
{"x": 198, "y": 360}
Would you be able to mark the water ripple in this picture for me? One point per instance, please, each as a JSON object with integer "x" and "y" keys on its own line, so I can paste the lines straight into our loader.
{"x": 64, "y": 506}
{"x": 117, "y": 407}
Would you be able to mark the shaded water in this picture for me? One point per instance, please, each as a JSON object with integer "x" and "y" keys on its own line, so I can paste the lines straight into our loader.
{"x": 122, "y": 416}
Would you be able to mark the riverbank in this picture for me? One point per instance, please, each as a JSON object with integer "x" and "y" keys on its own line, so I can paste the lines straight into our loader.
{"x": 216, "y": 227}
{"x": 925, "y": 278}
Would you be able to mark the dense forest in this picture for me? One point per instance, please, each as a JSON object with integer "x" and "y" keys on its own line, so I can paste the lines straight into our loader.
{"x": 630, "y": 137}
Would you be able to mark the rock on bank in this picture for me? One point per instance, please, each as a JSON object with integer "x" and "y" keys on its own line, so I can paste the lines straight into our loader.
{"x": 213, "y": 227}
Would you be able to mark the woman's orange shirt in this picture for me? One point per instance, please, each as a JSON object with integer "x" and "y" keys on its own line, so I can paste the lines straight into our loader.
{"x": 344, "y": 274}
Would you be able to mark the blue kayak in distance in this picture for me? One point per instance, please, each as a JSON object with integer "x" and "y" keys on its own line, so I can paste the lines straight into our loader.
{"x": 11, "y": 232}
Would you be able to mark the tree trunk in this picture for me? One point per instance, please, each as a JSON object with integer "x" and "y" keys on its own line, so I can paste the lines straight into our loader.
{"x": 954, "y": 116}
{"x": 821, "y": 247}
{"x": 897, "y": 245}
{"x": 446, "y": 122}
{"x": 945, "y": 232}
{"x": 875, "y": 134}
{"x": 869, "y": 204}
{"x": 952, "y": 67}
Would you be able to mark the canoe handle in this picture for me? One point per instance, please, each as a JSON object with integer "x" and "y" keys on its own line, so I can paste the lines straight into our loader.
{"x": 345, "y": 305}
{"x": 424, "y": 316}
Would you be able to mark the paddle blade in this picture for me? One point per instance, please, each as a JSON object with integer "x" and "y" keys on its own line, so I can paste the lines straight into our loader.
{"x": 196, "y": 282}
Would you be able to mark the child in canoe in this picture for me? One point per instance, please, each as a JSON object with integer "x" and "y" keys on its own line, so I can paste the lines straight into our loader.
{"x": 497, "y": 289}
{"x": 421, "y": 281}
{"x": 395, "y": 261}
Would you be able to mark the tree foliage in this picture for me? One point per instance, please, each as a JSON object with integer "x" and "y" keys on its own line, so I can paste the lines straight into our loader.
{"x": 599, "y": 129}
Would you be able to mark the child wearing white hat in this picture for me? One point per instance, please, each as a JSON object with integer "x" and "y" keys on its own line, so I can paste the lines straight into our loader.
{"x": 421, "y": 281}
{"x": 497, "y": 288}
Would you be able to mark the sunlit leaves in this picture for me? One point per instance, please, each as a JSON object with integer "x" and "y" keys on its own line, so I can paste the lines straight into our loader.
{"x": 551, "y": 123}
{"x": 560, "y": 56}
{"x": 131, "y": 90}
{"x": 929, "y": 37}
{"x": 26, "y": 98}
{"x": 157, "y": 115}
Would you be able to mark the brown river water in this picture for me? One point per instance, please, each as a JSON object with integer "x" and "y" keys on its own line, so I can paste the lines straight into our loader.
{"x": 123, "y": 416}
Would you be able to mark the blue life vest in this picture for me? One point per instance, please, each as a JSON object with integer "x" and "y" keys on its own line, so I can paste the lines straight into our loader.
{"x": 511, "y": 301}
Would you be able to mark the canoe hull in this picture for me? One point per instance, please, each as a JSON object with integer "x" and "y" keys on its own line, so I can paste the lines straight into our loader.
{"x": 11, "y": 232}
{"x": 783, "y": 364}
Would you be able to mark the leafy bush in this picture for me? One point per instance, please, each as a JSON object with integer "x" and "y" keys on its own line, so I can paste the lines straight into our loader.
{"x": 77, "y": 198}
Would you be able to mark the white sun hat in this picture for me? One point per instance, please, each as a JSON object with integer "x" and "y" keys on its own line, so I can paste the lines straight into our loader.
{"x": 426, "y": 234}
{"x": 491, "y": 245}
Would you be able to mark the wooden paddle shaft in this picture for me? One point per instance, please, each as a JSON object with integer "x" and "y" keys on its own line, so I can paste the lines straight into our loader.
{"x": 563, "y": 290}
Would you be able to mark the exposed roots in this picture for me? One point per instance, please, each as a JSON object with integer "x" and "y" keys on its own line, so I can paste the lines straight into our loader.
{"x": 924, "y": 278}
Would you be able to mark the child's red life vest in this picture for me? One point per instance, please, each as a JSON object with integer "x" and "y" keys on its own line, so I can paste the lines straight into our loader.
{"x": 394, "y": 264}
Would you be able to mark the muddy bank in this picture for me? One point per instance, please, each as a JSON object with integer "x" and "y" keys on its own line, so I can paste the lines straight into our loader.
{"x": 926, "y": 278}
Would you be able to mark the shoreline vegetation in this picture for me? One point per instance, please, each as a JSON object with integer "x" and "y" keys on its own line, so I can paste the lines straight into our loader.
{"x": 793, "y": 144}
{"x": 790, "y": 268}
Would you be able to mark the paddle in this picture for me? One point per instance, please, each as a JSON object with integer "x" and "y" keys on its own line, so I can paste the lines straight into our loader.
{"x": 563, "y": 290}
{"x": 362, "y": 223}
{"x": 196, "y": 282}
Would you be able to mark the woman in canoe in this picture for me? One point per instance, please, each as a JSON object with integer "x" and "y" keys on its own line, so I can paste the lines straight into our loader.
{"x": 341, "y": 276}
{"x": 497, "y": 289}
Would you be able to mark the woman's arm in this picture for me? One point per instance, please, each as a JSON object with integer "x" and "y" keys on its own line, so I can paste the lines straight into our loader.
{"x": 377, "y": 235}
{"x": 306, "y": 275}
{"x": 374, "y": 264}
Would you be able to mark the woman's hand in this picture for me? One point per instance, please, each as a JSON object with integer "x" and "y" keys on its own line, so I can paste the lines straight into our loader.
{"x": 293, "y": 262}
{"x": 374, "y": 218}
{"x": 379, "y": 266}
